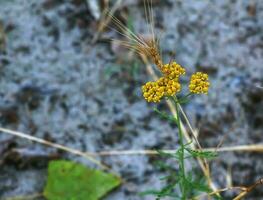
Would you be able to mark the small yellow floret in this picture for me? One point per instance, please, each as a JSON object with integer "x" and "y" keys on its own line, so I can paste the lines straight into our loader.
{"x": 199, "y": 83}
{"x": 173, "y": 70}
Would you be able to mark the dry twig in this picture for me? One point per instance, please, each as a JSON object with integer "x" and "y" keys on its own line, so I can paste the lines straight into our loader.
{"x": 55, "y": 145}
{"x": 105, "y": 20}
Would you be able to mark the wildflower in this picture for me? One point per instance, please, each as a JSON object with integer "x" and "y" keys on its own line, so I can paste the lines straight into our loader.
{"x": 171, "y": 86}
{"x": 152, "y": 92}
{"x": 173, "y": 70}
{"x": 199, "y": 83}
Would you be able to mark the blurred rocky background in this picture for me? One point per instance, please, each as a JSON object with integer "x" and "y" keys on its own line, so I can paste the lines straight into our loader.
{"x": 63, "y": 82}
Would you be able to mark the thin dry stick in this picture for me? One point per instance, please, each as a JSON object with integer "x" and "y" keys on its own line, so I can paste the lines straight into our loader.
{"x": 229, "y": 181}
{"x": 219, "y": 191}
{"x": 90, "y": 155}
{"x": 244, "y": 148}
{"x": 104, "y": 21}
{"x": 55, "y": 145}
{"x": 28, "y": 197}
{"x": 249, "y": 189}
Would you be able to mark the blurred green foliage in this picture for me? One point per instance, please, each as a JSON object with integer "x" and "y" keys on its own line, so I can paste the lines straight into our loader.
{"x": 72, "y": 181}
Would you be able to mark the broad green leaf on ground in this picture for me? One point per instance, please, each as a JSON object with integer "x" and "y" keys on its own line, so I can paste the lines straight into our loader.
{"x": 72, "y": 181}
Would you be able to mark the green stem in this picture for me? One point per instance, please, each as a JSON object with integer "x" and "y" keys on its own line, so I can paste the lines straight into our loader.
{"x": 176, "y": 100}
{"x": 188, "y": 95}
{"x": 181, "y": 155}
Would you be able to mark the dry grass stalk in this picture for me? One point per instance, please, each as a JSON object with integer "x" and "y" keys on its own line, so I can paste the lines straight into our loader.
{"x": 27, "y": 197}
{"x": 55, "y": 145}
{"x": 104, "y": 20}
{"x": 249, "y": 189}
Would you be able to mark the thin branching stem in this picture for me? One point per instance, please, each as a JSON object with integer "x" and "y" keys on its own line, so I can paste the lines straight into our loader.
{"x": 181, "y": 141}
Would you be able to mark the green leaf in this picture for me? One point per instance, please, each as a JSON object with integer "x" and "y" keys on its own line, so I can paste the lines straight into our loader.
{"x": 168, "y": 155}
{"x": 202, "y": 154}
{"x": 72, "y": 181}
{"x": 184, "y": 99}
{"x": 165, "y": 116}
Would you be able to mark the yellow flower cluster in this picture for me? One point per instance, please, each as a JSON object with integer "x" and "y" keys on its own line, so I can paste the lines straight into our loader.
{"x": 154, "y": 91}
{"x": 168, "y": 85}
{"x": 199, "y": 83}
{"x": 173, "y": 70}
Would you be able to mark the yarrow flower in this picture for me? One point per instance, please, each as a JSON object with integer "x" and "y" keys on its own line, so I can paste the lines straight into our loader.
{"x": 152, "y": 92}
{"x": 168, "y": 85}
{"x": 173, "y": 70}
{"x": 199, "y": 83}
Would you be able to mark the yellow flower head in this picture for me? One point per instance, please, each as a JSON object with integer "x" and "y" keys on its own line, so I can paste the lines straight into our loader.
{"x": 168, "y": 85}
{"x": 152, "y": 92}
{"x": 199, "y": 83}
{"x": 173, "y": 70}
{"x": 171, "y": 87}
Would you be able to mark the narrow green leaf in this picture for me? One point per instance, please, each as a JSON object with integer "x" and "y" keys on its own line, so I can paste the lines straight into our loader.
{"x": 165, "y": 116}
{"x": 168, "y": 155}
{"x": 202, "y": 154}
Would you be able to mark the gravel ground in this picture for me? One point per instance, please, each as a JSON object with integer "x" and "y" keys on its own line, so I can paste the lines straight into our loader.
{"x": 56, "y": 85}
